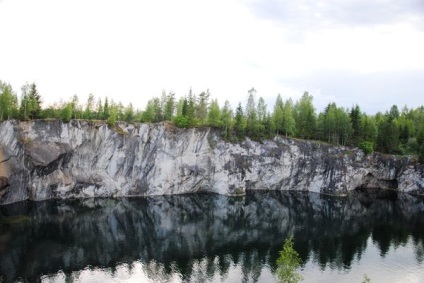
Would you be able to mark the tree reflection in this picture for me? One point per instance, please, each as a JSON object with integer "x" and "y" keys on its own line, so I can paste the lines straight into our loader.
{"x": 202, "y": 236}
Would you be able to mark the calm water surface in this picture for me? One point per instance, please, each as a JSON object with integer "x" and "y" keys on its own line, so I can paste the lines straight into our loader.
{"x": 212, "y": 238}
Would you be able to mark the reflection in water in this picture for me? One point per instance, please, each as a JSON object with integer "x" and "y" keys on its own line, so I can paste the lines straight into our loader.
{"x": 199, "y": 238}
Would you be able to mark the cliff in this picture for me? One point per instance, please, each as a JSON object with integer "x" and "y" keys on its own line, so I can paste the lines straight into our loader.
{"x": 50, "y": 159}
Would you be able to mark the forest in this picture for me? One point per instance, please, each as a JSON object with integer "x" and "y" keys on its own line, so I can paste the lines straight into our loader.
{"x": 394, "y": 132}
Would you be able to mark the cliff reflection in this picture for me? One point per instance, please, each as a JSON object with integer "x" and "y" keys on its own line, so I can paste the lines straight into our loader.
{"x": 199, "y": 237}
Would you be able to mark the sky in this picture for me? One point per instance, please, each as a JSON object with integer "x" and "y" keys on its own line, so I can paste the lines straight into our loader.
{"x": 365, "y": 52}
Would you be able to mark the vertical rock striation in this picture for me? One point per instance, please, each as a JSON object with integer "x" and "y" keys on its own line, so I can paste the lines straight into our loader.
{"x": 51, "y": 159}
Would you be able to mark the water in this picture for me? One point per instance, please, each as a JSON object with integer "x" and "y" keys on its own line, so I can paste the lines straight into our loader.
{"x": 212, "y": 238}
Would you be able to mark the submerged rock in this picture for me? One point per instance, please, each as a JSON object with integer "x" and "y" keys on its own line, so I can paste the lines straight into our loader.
{"x": 82, "y": 159}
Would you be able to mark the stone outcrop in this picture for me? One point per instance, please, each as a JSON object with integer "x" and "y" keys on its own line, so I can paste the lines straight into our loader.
{"x": 51, "y": 159}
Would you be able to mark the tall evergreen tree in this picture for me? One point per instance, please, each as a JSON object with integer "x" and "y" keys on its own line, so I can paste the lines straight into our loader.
{"x": 129, "y": 114}
{"x": 288, "y": 122}
{"x": 226, "y": 118}
{"x": 261, "y": 114}
{"x": 356, "y": 120}
{"x": 191, "y": 109}
{"x": 388, "y": 132}
{"x": 202, "y": 107}
{"x": 278, "y": 115}
{"x": 305, "y": 117}
{"x": 89, "y": 108}
{"x": 251, "y": 114}
{"x": 8, "y": 102}
{"x": 239, "y": 123}
{"x": 214, "y": 118}
{"x": 106, "y": 110}
{"x": 169, "y": 106}
{"x": 99, "y": 109}
{"x": 34, "y": 102}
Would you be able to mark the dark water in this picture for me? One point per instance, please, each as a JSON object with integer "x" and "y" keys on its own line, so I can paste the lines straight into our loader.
{"x": 212, "y": 238}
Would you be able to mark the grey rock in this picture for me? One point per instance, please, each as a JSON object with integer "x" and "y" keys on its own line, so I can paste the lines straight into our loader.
{"x": 82, "y": 159}
{"x": 4, "y": 182}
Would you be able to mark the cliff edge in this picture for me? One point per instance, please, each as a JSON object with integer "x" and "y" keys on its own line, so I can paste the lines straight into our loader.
{"x": 45, "y": 159}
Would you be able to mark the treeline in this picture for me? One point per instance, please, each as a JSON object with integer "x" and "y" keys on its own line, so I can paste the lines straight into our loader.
{"x": 395, "y": 131}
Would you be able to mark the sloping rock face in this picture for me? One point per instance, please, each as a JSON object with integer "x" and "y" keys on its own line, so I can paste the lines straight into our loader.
{"x": 51, "y": 159}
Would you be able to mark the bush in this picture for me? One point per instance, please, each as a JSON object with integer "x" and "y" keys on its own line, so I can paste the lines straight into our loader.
{"x": 367, "y": 147}
{"x": 66, "y": 113}
{"x": 181, "y": 121}
{"x": 288, "y": 262}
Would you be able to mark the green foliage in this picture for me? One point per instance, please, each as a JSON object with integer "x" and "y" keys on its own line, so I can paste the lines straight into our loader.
{"x": 181, "y": 121}
{"x": 226, "y": 118}
{"x": 289, "y": 124}
{"x": 278, "y": 115}
{"x": 34, "y": 102}
{"x": 305, "y": 117}
{"x": 334, "y": 125}
{"x": 288, "y": 263}
{"x": 66, "y": 113}
{"x": 214, "y": 118}
{"x": 398, "y": 132}
{"x": 8, "y": 102}
{"x": 105, "y": 115}
{"x": 367, "y": 147}
{"x": 202, "y": 108}
{"x": 388, "y": 135}
{"x": 169, "y": 107}
{"x": 113, "y": 114}
{"x": 355, "y": 116}
{"x": 30, "y": 107}
{"x": 239, "y": 126}
{"x": 421, "y": 154}
{"x": 89, "y": 108}
{"x": 129, "y": 114}
{"x": 251, "y": 115}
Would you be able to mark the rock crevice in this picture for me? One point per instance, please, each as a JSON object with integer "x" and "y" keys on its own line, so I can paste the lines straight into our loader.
{"x": 86, "y": 159}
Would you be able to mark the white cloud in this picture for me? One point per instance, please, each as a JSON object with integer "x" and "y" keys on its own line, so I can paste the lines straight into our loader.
{"x": 131, "y": 50}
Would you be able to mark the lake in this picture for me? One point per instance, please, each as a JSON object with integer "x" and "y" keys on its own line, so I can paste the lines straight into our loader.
{"x": 213, "y": 238}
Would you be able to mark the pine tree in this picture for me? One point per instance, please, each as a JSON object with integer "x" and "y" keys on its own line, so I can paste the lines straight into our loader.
{"x": 214, "y": 114}
{"x": 129, "y": 113}
{"x": 288, "y": 126}
{"x": 169, "y": 106}
{"x": 34, "y": 103}
{"x": 261, "y": 114}
{"x": 278, "y": 115}
{"x": 8, "y": 102}
{"x": 105, "y": 114}
{"x": 202, "y": 107}
{"x": 99, "y": 109}
{"x": 239, "y": 123}
{"x": 356, "y": 120}
{"x": 226, "y": 118}
{"x": 305, "y": 117}
{"x": 89, "y": 108}
{"x": 251, "y": 114}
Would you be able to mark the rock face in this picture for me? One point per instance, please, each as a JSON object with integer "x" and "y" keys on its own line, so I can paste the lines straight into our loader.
{"x": 51, "y": 159}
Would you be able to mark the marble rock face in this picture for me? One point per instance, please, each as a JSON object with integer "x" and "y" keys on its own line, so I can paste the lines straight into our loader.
{"x": 43, "y": 159}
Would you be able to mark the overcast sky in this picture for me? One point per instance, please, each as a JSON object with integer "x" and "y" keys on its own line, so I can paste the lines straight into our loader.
{"x": 369, "y": 52}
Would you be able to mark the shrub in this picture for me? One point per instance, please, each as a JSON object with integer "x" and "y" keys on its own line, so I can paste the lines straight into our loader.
{"x": 367, "y": 147}
{"x": 288, "y": 262}
{"x": 181, "y": 121}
